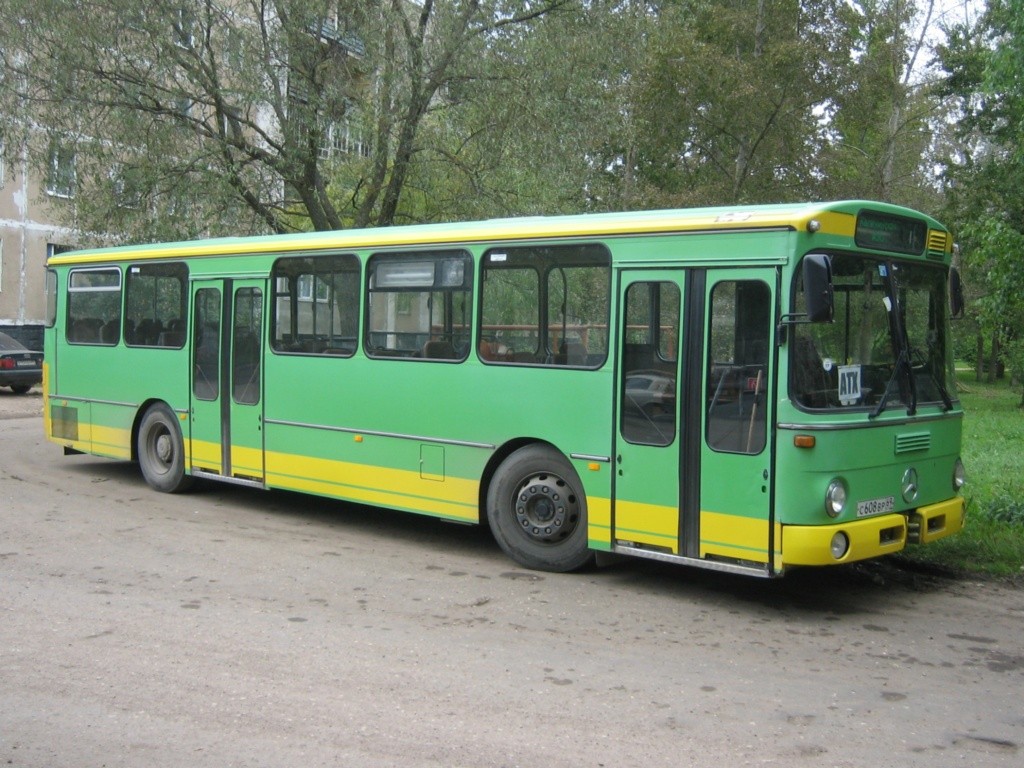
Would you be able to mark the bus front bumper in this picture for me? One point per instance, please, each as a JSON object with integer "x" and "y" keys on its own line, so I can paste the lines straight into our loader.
{"x": 871, "y": 537}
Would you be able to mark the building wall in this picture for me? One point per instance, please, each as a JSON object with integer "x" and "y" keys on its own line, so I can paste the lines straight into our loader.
{"x": 28, "y": 233}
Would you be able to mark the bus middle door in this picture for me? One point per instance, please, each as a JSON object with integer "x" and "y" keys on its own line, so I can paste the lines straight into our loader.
{"x": 227, "y": 397}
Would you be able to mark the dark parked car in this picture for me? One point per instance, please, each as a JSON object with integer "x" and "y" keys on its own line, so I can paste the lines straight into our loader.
{"x": 20, "y": 369}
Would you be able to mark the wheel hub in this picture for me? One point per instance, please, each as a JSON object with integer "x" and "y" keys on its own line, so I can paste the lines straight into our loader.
{"x": 546, "y": 509}
{"x": 163, "y": 449}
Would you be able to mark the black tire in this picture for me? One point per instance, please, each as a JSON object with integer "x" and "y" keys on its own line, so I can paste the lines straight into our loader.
{"x": 20, "y": 389}
{"x": 161, "y": 452}
{"x": 537, "y": 510}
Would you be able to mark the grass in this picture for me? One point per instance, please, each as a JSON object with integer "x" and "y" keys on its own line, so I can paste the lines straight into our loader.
{"x": 992, "y": 543}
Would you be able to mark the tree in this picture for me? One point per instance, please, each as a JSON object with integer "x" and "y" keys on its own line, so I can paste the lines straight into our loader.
{"x": 884, "y": 109}
{"x": 191, "y": 117}
{"x": 985, "y": 171}
{"x": 540, "y": 124}
{"x": 731, "y": 95}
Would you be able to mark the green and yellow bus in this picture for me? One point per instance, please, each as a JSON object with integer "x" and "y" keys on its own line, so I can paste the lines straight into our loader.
{"x": 744, "y": 389}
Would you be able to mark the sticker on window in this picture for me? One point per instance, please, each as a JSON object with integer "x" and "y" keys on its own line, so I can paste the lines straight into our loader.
{"x": 849, "y": 384}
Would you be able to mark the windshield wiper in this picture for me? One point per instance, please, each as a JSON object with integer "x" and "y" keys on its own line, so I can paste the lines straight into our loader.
{"x": 902, "y": 364}
{"x": 940, "y": 386}
{"x": 900, "y": 343}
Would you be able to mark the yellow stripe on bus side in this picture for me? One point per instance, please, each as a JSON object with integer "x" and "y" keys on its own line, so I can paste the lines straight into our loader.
{"x": 453, "y": 498}
{"x": 599, "y": 522}
{"x": 204, "y": 455}
{"x": 836, "y": 223}
{"x": 743, "y": 538}
{"x": 651, "y": 524}
{"x": 110, "y": 441}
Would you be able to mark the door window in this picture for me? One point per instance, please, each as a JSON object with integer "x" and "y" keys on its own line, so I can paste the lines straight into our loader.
{"x": 650, "y": 361}
{"x": 206, "y": 345}
{"x": 737, "y": 366}
{"x": 245, "y": 346}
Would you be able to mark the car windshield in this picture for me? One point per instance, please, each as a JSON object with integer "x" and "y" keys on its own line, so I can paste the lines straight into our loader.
{"x": 888, "y": 346}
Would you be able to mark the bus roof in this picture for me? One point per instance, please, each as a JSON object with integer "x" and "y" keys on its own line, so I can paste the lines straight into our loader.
{"x": 837, "y": 218}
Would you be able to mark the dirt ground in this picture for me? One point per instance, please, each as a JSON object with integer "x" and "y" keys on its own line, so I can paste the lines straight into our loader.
{"x": 14, "y": 406}
{"x": 235, "y": 627}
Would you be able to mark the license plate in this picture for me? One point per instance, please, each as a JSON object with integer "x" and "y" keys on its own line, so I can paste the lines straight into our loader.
{"x": 875, "y": 506}
{"x": 26, "y": 364}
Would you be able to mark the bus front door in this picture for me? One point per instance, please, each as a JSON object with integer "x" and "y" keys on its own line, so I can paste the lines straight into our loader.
{"x": 692, "y": 456}
{"x": 226, "y": 415}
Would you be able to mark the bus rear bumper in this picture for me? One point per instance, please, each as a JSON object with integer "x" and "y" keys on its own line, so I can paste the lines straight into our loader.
{"x": 871, "y": 537}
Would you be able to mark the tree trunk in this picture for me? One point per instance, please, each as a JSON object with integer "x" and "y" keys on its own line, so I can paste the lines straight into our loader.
{"x": 979, "y": 360}
{"x": 993, "y": 360}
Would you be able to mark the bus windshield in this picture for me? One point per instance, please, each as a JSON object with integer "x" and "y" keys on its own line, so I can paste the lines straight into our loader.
{"x": 888, "y": 346}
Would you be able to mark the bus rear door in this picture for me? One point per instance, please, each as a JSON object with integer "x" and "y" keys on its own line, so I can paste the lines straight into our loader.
{"x": 226, "y": 414}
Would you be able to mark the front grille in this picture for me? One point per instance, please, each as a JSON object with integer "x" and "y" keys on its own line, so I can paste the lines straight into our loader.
{"x": 913, "y": 441}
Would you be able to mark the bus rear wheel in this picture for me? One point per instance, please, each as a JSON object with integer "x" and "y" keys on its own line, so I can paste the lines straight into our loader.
{"x": 161, "y": 451}
{"x": 537, "y": 510}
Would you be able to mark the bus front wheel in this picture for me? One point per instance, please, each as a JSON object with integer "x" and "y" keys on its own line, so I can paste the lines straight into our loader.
{"x": 537, "y": 510}
{"x": 161, "y": 451}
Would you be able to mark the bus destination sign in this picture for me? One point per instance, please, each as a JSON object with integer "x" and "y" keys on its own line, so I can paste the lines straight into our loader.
{"x": 885, "y": 232}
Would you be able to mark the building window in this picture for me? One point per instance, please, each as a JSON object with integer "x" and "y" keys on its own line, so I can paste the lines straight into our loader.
{"x": 344, "y": 137}
{"x": 53, "y": 249}
{"x": 126, "y": 185}
{"x": 61, "y": 176}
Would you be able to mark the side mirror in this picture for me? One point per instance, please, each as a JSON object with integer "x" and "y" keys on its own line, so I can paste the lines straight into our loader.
{"x": 817, "y": 275}
{"x": 956, "y": 293}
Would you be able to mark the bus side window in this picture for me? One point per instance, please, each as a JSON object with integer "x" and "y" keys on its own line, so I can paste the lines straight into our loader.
{"x": 94, "y": 306}
{"x": 545, "y": 305}
{"x": 737, "y": 366}
{"x": 315, "y": 305}
{"x": 156, "y": 301}
{"x": 419, "y": 305}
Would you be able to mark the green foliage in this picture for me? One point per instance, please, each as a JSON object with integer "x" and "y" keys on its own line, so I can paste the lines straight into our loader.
{"x": 191, "y": 120}
{"x": 235, "y": 118}
{"x": 993, "y": 540}
{"x": 985, "y": 171}
{"x": 727, "y": 95}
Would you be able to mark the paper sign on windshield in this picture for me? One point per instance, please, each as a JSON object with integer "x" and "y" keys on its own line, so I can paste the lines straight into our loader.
{"x": 849, "y": 384}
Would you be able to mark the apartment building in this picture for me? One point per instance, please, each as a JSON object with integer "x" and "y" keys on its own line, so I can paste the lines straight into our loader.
{"x": 37, "y": 206}
{"x": 31, "y": 211}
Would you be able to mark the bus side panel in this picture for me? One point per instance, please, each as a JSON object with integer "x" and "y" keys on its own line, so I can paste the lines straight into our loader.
{"x": 100, "y": 389}
{"x": 418, "y": 436}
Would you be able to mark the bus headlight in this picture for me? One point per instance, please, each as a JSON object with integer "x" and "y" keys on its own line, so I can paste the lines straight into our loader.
{"x": 959, "y": 476}
{"x": 840, "y": 545}
{"x": 835, "y": 498}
